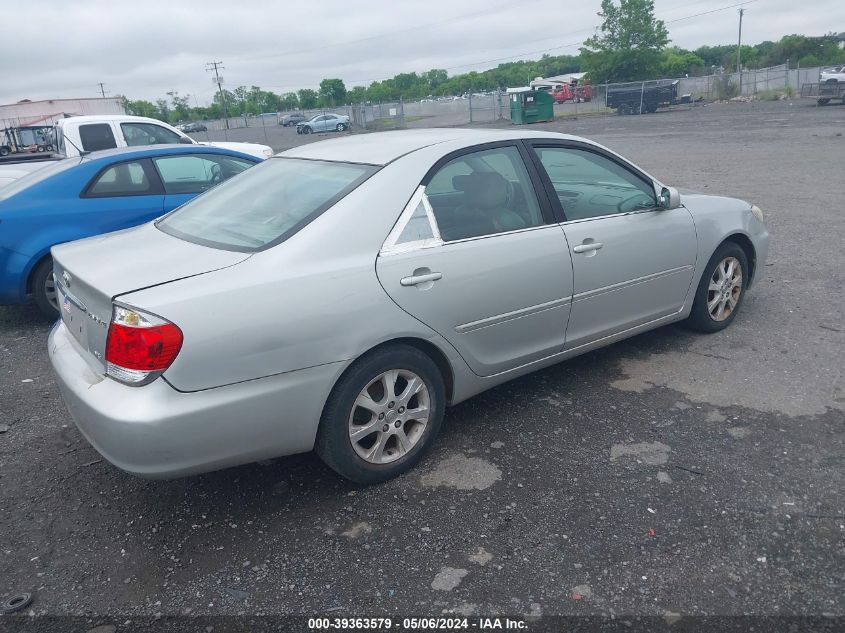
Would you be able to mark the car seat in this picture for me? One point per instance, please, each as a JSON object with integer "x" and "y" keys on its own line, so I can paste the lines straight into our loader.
{"x": 484, "y": 209}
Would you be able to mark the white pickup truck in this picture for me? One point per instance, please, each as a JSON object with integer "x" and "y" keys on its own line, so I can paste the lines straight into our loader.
{"x": 79, "y": 135}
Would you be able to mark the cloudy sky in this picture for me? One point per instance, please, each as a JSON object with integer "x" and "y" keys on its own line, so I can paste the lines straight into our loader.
{"x": 63, "y": 48}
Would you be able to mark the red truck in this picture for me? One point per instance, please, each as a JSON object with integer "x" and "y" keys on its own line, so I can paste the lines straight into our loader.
{"x": 571, "y": 92}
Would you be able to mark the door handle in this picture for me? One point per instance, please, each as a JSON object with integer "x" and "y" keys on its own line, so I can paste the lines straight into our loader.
{"x": 415, "y": 280}
{"x": 587, "y": 247}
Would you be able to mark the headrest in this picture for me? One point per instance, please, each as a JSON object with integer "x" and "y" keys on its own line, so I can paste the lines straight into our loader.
{"x": 485, "y": 190}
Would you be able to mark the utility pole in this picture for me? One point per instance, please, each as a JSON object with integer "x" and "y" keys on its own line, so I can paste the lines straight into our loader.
{"x": 739, "y": 51}
{"x": 215, "y": 66}
{"x": 102, "y": 89}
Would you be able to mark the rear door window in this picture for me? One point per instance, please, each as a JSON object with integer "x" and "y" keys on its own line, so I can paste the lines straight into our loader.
{"x": 96, "y": 136}
{"x": 483, "y": 193}
{"x": 123, "y": 179}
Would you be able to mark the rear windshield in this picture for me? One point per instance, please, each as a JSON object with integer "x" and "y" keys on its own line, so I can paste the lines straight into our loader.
{"x": 265, "y": 205}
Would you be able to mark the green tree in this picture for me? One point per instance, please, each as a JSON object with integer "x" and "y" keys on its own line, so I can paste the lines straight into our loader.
{"x": 629, "y": 45}
{"x": 358, "y": 94}
{"x": 163, "y": 110}
{"x": 180, "y": 109}
{"x": 332, "y": 92}
{"x": 288, "y": 101}
{"x": 141, "y": 108}
{"x": 677, "y": 62}
{"x": 307, "y": 98}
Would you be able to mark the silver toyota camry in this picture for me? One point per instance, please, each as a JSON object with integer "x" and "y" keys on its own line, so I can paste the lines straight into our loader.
{"x": 339, "y": 296}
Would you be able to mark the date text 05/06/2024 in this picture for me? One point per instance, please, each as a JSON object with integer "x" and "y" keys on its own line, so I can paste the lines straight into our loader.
{"x": 415, "y": 624}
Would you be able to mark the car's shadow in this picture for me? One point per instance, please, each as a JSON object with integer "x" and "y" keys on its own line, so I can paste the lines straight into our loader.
{"x": 303, "y": 480}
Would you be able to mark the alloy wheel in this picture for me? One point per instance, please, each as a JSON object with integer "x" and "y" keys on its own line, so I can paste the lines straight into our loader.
{"x": 725, "y": 289}
{"x": 50, "y": 291}
{"x": 389, "y": 416}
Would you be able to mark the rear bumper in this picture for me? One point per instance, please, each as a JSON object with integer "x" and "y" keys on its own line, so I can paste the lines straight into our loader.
{"x": 155, "y": 431}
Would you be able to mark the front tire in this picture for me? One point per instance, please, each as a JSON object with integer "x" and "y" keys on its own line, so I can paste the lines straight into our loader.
{"x": 382, "y": 415}
{"x": 721, "y": 289}
{"x": 306, "y": 130}
{"x": 44, "y": 289}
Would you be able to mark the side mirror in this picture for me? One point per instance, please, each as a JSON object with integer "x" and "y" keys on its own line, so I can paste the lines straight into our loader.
{"x": 670, "y": 198}
{"x": 186, "y": 140}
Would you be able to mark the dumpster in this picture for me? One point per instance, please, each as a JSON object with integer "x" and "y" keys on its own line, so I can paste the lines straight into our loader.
{"x": 531, "y": 106}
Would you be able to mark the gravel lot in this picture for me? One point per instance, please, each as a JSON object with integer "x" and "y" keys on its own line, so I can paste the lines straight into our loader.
{"x": 673, "y": 472}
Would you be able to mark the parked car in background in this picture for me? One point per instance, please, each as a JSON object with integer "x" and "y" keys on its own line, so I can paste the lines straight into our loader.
{"x": 341, "y": 294}
{"x": 832, "y": 74}
{"x": 193, "y": 127}
{"x": 103, "y": 191}
{"x": 80, "y": 135}
{"x": 323, "y": 123}
{"x": 288, "y": 120}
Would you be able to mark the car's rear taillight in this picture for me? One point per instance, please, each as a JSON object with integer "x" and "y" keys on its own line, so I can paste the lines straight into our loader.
{"x": 140, "y": 346}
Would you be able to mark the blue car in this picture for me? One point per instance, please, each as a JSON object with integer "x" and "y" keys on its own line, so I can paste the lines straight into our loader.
{"x": 97, "y": 193}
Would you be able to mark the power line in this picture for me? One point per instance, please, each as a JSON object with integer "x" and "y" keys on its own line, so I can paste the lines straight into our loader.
{"x": 419, "y": 27}
{"x": 687, "y": 17}
{"x": 555, "y": 48}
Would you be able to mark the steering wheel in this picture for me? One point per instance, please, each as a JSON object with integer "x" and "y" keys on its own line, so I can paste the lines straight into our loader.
{"x": 631, "y": 203}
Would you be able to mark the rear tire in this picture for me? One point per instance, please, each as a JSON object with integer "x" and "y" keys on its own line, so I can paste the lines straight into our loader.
{"x": 394, "y": 430}
{"x": 718, "y": 298}
{"x": 624, "y": 109}
{"x": 44, "y": 289}
{"x": 340, "y": 127}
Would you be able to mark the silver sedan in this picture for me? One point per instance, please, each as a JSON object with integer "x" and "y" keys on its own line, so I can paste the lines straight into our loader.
{"x": 339, "y": 296}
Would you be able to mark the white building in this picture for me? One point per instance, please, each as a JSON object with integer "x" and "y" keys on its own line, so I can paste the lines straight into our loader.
{"x": 33, "y": 113}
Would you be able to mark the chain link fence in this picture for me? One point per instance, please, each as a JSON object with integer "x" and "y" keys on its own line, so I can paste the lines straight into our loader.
{"x": 489, "y": 108}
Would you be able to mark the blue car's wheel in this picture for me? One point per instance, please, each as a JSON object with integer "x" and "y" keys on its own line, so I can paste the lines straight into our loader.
{"x": 44, "y": 289}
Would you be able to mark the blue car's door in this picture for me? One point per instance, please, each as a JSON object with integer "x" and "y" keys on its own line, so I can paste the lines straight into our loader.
{"x": 122, "y": 195}
{"x": 185, "y": 176}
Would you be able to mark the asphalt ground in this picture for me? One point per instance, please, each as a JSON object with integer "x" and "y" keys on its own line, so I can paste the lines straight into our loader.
{"x": 673, "y": 473}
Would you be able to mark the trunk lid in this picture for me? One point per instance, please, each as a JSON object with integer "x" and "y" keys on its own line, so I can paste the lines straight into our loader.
{"x": 90, "y": 273}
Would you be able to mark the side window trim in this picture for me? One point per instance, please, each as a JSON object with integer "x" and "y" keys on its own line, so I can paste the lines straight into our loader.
{"x": 391, "y": 247}
{"x": 156, "y": 188}
{"x": 548, "y": 186}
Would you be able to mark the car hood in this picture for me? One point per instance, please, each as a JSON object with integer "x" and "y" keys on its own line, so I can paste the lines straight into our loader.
{"x": 253, "y": 149}
{"x": 696, "y": 201}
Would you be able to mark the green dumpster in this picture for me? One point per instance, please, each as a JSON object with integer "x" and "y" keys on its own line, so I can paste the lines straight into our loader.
{"x": 531, "y": 106}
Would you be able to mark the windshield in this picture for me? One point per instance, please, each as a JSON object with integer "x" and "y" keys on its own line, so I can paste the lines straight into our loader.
{"x": 265, "y": 205}
{"x": 39, "y": 175}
